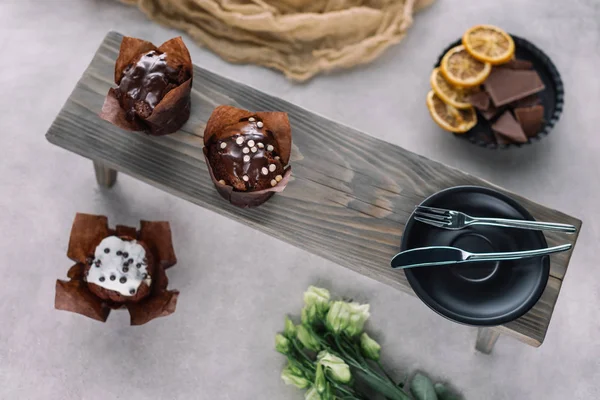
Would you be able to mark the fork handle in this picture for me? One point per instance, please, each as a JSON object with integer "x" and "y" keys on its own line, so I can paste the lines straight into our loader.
{"x": 534, "y": 225}
{"x": 516, "y": 255}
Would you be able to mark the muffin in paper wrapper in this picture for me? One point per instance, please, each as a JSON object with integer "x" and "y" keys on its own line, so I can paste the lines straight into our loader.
{"x": 173, "y": 110}
{"x": 277, "y": 123}
{"x": 150, "y": 301}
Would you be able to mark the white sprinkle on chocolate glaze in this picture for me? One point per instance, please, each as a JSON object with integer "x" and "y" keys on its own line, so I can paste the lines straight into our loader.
{"x": 254, "y": 149}
{"x": 260, "y": 145}
{"x": 264, "y": 171}
{"x": 277, "y": 157}
{"x": 240, "y": 140}
{"x": 223, "y": 145}
{"x": 246, "y": 158}
{"x": 270, "y": 147}
{"x": 272, "y": 167}
{"x": 250, "y": 143}
{"x": 246, "y": 150}
{"x": 245, "y": 178}
{"x": 273, "y": 182}
{"x": 251, "y": 119}
{"x": 278, "y": 178}
{"x": 115, "y": 272}
{"x": 259, "y": 124}
{"x": 222, "y": 182}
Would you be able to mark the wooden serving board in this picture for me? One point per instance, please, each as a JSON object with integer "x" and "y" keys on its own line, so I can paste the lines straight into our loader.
{"x": 350, "y": 196}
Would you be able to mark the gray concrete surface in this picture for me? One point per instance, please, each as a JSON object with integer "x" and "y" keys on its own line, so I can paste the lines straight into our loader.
{"x": 218, "y": 345}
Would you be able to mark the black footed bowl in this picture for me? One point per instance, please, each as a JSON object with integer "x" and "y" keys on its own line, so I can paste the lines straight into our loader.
{"x": 482, "y": 294}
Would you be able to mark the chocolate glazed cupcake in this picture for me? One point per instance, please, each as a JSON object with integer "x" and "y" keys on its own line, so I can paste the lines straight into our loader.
{"x": 120, "y": 268}
{"x": 247, "y": 154}
{"x": 154, "y": 86}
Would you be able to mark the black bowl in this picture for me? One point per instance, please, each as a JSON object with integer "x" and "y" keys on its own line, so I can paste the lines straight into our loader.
{"x": 552, "y": 97}
{"x": 482, "y": 294}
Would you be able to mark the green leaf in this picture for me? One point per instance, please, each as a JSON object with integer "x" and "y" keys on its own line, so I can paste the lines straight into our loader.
{"x": 422, "y": 388}
{"x": 444, "y": 393}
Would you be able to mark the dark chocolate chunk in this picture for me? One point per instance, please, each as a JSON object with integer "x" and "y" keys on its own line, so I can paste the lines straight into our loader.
{"x": 107, "y": 250}
{"x": 508, "y": 127}
{"x": 123, "y": 279}
{"x": 528, "y": 101}
{"x": 102, "y": 279}
{"x": 530, "y": 118}
{"x": 517, "y": 64}
{"x": 125, "y": 254}
{"x": 145, "y": 276}
{"x": 89, "y": 260}
{"x": 125, "y": 268}
{"x": 480, "y": 101}
{"x": 112, "y": 277}
{"x": 506, "y": 85}
{"x": 97, "y": 263}
{"x": 130, "y": 261}
{"x": 138, "y": 265}
{"x": 491, "y": 112}
{"x": 119, "y": 252}
{"x": 132, "y": 291}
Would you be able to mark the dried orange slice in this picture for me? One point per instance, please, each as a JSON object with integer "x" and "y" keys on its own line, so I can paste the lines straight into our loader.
{"x": 450, "y": 94}
{"x": 450, "y": 118}
{"x": 461, "y": 69}
{"x": 490, "y": 44}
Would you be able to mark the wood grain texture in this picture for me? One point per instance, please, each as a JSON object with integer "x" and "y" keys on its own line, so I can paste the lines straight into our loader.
{"x": 350, "y": 196}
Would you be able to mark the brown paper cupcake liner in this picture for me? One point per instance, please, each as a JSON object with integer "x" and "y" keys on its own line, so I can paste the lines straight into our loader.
{"x": 278, "y": 123}
{"x": 173, "y": 110}
{"x": 79, "y": 296}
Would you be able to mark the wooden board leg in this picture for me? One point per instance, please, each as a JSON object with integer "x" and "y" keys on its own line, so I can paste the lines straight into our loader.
{"x": 486, "y": 338}
{"x": 105, "y": 176}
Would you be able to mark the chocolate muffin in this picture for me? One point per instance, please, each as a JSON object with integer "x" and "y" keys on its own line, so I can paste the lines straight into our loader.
{"x": 248, "y": 153}
{"x": 118, "y": 268}
{"x": 154, "y": 86}
{"x": 146, "y": 82}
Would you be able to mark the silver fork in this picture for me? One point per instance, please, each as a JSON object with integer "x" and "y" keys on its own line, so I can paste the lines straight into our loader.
{"x": 449, "y": 219}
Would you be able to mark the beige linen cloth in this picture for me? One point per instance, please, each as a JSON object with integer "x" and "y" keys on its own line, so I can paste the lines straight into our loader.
{"x": 301, "y": 38}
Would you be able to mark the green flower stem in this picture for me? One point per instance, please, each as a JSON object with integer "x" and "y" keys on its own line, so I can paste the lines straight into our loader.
{"x": 386, "y": 374}
{"x": 374, "y": 376}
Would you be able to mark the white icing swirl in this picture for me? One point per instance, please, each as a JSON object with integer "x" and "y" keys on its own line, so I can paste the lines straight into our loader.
{"x": 128, "y": 272}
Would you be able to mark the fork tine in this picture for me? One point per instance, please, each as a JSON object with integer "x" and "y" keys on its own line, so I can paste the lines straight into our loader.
{"x": 437, "y": 217}
{"x": 433, "y": 210}
{"x": 430, "y": 222}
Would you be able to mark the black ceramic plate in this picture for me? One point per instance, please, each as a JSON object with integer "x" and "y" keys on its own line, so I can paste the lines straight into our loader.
{"x": 552, "y": 96}
{"x": 483, "y": 294}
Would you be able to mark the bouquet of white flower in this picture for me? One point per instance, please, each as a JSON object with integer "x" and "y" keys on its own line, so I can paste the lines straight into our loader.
{"x": 329, "y": 351}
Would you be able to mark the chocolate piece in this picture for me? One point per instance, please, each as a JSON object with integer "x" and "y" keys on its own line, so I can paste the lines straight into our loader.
{"x": 508, "y": 127}
{"x": 491, "y": 112}
{"x": 528, "y": 101}
{"x": 506, "y": 85}
{"x": 480, "y": 101}
{"x": 83, "y": 294}
{"x": 530, "y": 118}
{"x": 501, "y": 140}
{"x": 239, "y": 146}
{"x": 517, "y": 64}
{"x": 154, "y": 86}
